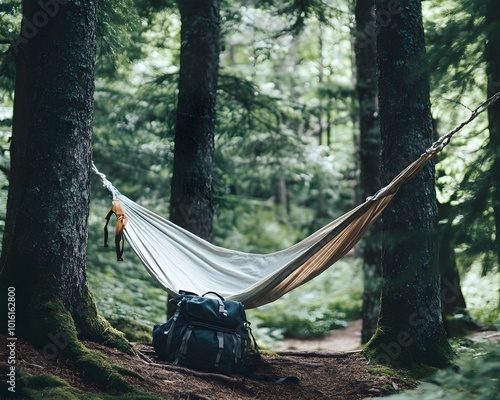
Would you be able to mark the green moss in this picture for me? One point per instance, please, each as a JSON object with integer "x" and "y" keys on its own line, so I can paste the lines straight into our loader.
{"x": 98, "y": 369}
{"x": 42, "y": 381}
{"x": 51, "y": 325}
{"x": 412, "y": 375}
{"x": 94, "y": 327}
{"x": 127, "y": 372}
{"x": 54, "y": 331}
{"x": 46, "y": 387}
{"x": 133, "y": 330}
{"x": 397, "y": 347}
{"x": 268, "y": 353}
{"x": 101, "y": 331}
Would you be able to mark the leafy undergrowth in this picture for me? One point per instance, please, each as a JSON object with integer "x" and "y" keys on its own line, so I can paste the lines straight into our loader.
{"x": 481, "y": 291}
{"x": 475, "y": 374}
{"x": 327, "y": 302}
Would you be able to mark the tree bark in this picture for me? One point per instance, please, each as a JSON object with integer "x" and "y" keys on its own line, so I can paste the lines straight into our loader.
{"x": 492, "y": 58}
{"x": 44, "y": 244}
{"x": 46, "y": 229}
{"x": 410, "y": 328}
{"x": 369, "y": 156}
{"x": 191, "y": 202}
{"x": 191, "y": 198}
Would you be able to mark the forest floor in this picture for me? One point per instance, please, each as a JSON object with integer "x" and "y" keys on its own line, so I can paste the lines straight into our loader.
{"x": 329, "y": 368}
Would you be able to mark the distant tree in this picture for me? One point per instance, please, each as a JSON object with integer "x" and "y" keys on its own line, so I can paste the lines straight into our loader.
{"x": 44, "y": 244}
{"x": 452, "y": 298}
{"x": 369, "y": 156}
{"x": 410, "y": 329}
{"x": 191, "y": 201}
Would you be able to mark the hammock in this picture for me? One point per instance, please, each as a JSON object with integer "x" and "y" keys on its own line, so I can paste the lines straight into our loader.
{"x": 179, "y": 260}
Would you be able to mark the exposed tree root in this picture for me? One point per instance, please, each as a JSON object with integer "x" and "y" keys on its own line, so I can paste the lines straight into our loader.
{"x": 94, "y": 327}
{"x": 203, "y": 375}
{"x": 53, "y": 330}
{"x": 316, "y": 354}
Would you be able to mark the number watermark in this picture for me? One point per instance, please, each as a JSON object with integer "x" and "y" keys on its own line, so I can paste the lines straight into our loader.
{"x": 11, "y": 339}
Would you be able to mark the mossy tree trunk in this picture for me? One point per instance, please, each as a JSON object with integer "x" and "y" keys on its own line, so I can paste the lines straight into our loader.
{"x": 44, "y": 244}
{"x": 369, "y": 155}
{"x": 191, "y": 202}
{"x": 410, "y": 328}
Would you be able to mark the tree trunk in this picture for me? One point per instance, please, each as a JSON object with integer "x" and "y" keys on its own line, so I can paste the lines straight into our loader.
{"x": 410, "y": 328}
{"x": 280, "y": 199}
{"x": 492, "y": 57}
{"x": 452, "y": 298}
{"x": 191, "y": 198}
{"x": 191, "y": 202}
{"x": 44, "y": 244}
{"x": 369, "y": 156}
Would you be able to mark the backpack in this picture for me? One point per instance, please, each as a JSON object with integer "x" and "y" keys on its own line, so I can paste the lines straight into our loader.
{"x": 205, "y": 333}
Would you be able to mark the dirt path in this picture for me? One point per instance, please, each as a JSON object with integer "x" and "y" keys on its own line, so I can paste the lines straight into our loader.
{"x": 339, "y": 340}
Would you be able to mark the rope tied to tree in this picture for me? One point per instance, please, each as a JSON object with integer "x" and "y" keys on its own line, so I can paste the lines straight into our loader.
{"x": 107, "y": 184}
{"x": 410, "y": 171}
{"x": 443, "y": 141}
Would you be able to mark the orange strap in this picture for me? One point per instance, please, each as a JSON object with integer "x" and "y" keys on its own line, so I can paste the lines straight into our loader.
{"x": 121, "y": 221}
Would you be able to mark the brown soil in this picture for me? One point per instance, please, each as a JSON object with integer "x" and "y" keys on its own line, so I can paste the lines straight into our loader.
{"x": 321, "y": 374}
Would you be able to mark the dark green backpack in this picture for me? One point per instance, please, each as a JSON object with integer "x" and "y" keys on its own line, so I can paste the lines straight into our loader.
{"x": 205, "y": 333}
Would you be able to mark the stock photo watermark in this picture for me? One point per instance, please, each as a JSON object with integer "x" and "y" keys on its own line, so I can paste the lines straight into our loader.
{"x": 418, "y": 322}
{"x": 382, "y": 19}
{"x": 57, "y": 342}
{"x": 30, "y": 27}
{"x": 11, "y": 339}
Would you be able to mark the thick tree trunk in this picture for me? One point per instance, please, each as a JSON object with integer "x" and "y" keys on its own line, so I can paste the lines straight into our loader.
{"x": 191, "y": 202}
{"x": 44, "y": 245}
{"x": 369, "y": 156}
{"x": 410, "y": 328}
{"x": 46, "y": 230}
{"x": 191, "y": 198}
{"x": 492, "y": 56}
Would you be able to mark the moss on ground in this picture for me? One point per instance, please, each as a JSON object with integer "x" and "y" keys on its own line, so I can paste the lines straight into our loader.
{"x": 52, "y": 387}
{"x": 133, "y": 330}
{"x": 398, "y": 347}
{"x": 53, "y": 329}
{"x": 412, "y": 375}
{"x": 94, "y": 327}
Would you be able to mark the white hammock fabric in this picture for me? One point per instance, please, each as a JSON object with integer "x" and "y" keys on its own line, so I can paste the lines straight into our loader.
{"x": 179, "y": 260}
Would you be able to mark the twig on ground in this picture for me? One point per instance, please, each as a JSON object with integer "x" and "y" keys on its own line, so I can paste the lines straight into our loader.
{"x": 194, "y": 396}
{"x": 294, "y": 361}
{"x": 27, "y": 364}
{"x": 318, "y": 354}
